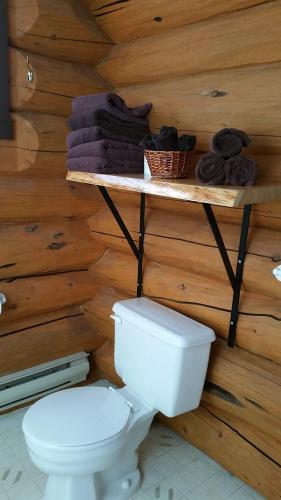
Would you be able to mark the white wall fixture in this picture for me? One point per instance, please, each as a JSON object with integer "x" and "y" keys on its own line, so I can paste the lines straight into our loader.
{"x": 277, "y": 272}
{"x": 3, "y": 301}
{"x": 25, "y": 385}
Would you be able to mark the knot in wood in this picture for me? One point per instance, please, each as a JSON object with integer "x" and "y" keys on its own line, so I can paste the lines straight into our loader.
{"x": 217, "y": 93}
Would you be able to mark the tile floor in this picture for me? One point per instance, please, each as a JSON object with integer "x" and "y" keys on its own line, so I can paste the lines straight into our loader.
{"x": 172, "y": 469}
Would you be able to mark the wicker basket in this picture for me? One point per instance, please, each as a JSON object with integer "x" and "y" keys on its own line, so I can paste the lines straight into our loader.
{"x": 168, "y": 164}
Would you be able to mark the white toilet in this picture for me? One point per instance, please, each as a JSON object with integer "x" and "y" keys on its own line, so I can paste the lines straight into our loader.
{"x": 86, "y": 439}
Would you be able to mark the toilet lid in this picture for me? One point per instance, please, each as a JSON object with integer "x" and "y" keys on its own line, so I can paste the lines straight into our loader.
{"x": 77, "y": 417}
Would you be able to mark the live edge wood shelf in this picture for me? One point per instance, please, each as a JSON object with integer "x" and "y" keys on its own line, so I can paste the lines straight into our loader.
{"x": 187, "y": 190}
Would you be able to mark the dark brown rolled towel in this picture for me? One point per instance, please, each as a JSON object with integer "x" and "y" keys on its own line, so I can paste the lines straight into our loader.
{"x": 229, "y": 142}
{"x": 148, "y": 142}
{"x": 167, "y": 139}
{"x": 187, "y": 142}
{"x": 210, "y": 169}
{"x": 241, "y": 171}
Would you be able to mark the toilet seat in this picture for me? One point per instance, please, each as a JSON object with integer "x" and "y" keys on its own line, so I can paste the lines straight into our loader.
{"x": 77, "y": 417}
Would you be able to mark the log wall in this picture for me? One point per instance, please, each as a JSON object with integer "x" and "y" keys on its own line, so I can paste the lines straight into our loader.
{"x": 65, "y": 261}
{"x": 46, "y": 245}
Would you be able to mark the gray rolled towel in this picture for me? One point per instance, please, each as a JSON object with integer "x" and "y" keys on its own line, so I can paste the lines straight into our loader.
{"x": 210, "y": 169}
{"x": 229, "y": 142}
{"x": 241, "y": 171}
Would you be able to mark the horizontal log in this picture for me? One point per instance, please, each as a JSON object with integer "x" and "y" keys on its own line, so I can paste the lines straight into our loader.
{"x": 157, "y": 16}
{"x": 210, "y": 287}
{"x": 40, "y": 319}
{"x": 208, "y": 266}
{"x": 241, "y": 394}
{"x": 54, "y": 83}
{"x": 39, "y": 142}
{"x": 250, "y": 102}
{"x": 37, "y": 295}
{"x": 216, "y": 43}
{"x": 44, "y": 248}
{"x": 61, "y": 29}
{"x": 260, "y": 218}
{"x": 202, "y": 429}
{"x": 189, "y": 225}
{"x": 37, "y": 199}
{"x": 32, "y": 346}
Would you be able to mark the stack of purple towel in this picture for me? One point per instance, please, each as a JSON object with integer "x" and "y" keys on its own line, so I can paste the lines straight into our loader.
{"x": 225, "y": 165}
{"x": 106, "y": 134}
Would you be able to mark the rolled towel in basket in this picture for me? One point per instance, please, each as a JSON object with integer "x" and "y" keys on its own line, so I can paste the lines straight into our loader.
{"x": 187, "y": 142}
{"x": 112, "y": 150}
{"x": 167, "y": 139}
{"x": 112, "y": 103}
{"x": 241, "y": 171}
{"x": 90, "y": 134}
{"x": 229, "y": 142}
{"x": 148, "y": 142}
{"x": 210, "y": 169}
{"x": 98, "y": 165}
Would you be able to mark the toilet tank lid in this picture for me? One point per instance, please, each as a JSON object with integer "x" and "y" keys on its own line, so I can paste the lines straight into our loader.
{"x": 164, "y": 323}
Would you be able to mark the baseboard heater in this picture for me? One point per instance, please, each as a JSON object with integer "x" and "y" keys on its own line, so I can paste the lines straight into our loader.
{"x": 26, "y": 385}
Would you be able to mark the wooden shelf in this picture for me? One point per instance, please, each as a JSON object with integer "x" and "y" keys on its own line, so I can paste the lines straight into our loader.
{"x": 182, "y": 189}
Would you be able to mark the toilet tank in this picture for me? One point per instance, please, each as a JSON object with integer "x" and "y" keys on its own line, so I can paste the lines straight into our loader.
{"x": 161, "y": 355}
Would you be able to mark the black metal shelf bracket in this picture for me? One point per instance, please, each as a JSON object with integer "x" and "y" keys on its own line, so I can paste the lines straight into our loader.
{"x": 119, "y": 220}
{"x": 219, "y": 240}
{"x": 242, "y": 252}
{"x": 137, "y": 251}
{"x": 235, "y": 278}
{"x": 141, "y": 242}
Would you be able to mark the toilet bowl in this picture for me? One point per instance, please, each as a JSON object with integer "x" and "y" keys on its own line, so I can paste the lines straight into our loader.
{"x": 86, "y": 439}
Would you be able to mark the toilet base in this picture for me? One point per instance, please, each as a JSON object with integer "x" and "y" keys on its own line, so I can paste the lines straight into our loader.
{"x": 125, "y": 489}
{"x": 88, "y": 487}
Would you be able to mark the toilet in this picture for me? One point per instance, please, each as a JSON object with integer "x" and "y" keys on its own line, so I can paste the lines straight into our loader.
{"x": 86, "y": 439}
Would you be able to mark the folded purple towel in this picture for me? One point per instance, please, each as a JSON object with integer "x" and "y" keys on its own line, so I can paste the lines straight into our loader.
{"x": 107, "y": 149}
{"x": 241, "y": 171}
{"x": 104, "y": 119}
{"x": 90, "y": 134}
{"x": 98, "y": 165}
{"x": 112, "y": 103}
{"x": 229, "y": 142}
{"x": 210, "y": 169}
